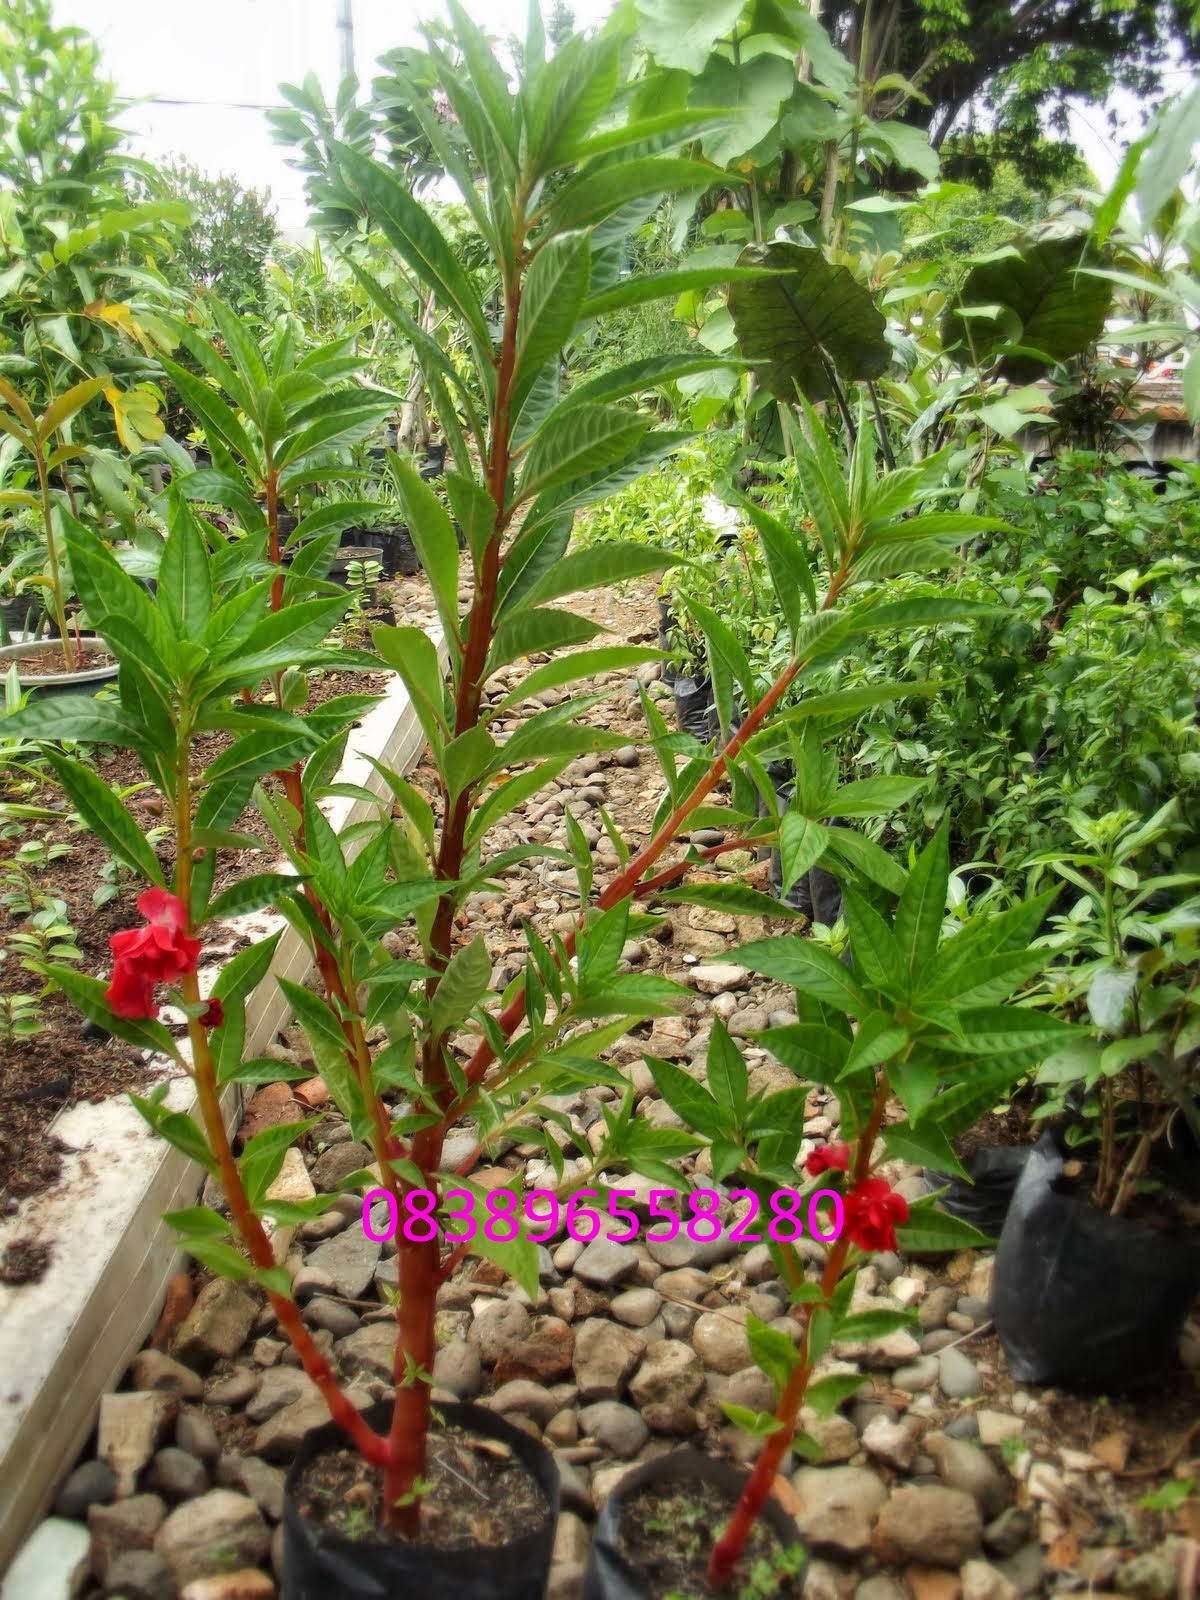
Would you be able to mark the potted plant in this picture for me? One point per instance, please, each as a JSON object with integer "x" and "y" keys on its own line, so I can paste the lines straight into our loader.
{"x": 68, "y": 660}
{"x": 224, "y": 623}
{"x": 1093, "y": 1242}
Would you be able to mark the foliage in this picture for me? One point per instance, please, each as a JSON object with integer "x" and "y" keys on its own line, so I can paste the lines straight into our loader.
{"x": 81, "y": 294}
{"x": 226, "y": 245}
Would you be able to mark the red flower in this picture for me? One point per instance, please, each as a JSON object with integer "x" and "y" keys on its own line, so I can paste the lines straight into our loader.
{"x": 213, "y": 1015}
{"x": 826, "y": 1158}
{"x": 873, "y": 1208}
{"x": 158, "y": 953}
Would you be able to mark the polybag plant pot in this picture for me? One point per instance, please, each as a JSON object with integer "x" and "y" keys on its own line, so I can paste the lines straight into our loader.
{"x": 318, "y": 1565}
{"x": 610, "y": 1576}
{"x": 983, "y": 1202}
{"x": 695, "y": 708}
{"x": 1081, "y": 1298}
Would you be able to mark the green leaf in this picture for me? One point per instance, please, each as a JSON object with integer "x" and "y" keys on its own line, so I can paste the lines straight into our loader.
{"x": 413, "y": 234}
{"x": 465, "y": 760}
{"x": 433, "y": 535}
{"x": 641, "y": 288}
{"x": 553, "y": 293}
{"x": 263, "y": 1156}
{"x": 574, "y": 445}
{"x": 738, "y": 899}
{"x": 866, "y": 857}
{"x": 773, "y": 1352}
{"x": 758, "y": 1424}
{"x": 530, "y": 632}
{"x": 688, "y": 1099}
{"x": 518, "y": 1257}
{"x": 582, "y": 570}
{"x": 727, "y": 1077}
{"x": 178, "y": 1129}
{"x": 801, "y": 845}
{"x": 922, "y": 908}
{"x": 807, "y": 967}
{"x": 1056, "y": 308}
{"x": 827, "y": 1394}
{"x": 106, "y": 817}
{"x": 185, "y": 588}
{"x": 198, "y": 1222}
{"x": 413, "y": 654}
{"x": 461, "y": 987}
{"x": 870, "y": 1325}
{"x": 251, "y": 894}
{"x": 683, "y": 33}
{"x": 597, "y": 192}
{"x": 929, "y": 1230}
{"x": 814, "y": 316}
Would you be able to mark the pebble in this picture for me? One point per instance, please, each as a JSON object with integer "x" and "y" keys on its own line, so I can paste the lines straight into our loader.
{"x": 51, "y": 1564}
{"x": 719, "y": 1339}
{"x": 605, "y": 1357}
{"x": 918, "y": 1375}
{"x": 332, "y": 1315}
{"x": 616, "y": 1427}
{"x": 457, "y": 1367}
{"x": 218, "y": 1531}
{"x": 194, "y": 1432}
{"x": 605, "y": 1263}
{"x": 838, "y": 1508}
{"x": 176, "y": 1475}
{"x": 130, "y": 1429}
{"x": 93, "y": 1483}
{"x": 216, "y": 1327}
{"x": 670, "y": 1373}
{"x": 347, "y": 1261}
{"x": 996, "y": 1426}
{"x": 965, "y": 1466}
{"x": 958, "y": 1376}
{"x": 636, "y": 1307}
{"x": 152, "y": 1369}
{"x": 936, "y": 1526}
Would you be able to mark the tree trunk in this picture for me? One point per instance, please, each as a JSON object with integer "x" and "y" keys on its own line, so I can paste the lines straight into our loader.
{"x": 412, "y": 431}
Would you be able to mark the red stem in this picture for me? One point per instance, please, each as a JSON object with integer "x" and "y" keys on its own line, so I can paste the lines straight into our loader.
{"x": 728, "y": 1548}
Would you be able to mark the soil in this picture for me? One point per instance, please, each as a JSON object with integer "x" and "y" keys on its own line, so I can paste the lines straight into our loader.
{"x": 70, "y": 1061}
{"x": 667, "y": 1534}
{"x": 24, "y": 1261}
{"x": 480, "y": 1494}
{"x": 50, "y": 663}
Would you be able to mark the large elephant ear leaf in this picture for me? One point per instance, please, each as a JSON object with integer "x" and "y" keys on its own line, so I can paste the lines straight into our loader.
{"x": 811, "y": 318}
{"x": 1048, "y": 309}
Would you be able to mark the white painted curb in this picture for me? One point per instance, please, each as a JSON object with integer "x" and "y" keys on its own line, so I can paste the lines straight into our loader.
{"x": 67, "y": 1339}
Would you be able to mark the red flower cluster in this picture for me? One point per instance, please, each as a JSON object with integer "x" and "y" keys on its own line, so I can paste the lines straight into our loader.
{"x": 873, "y": 1209}
{"x": 158, "y": 953}
{"x": 828, "y": 1158}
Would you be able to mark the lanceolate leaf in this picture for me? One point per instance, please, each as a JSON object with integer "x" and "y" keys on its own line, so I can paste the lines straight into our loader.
{"x": 815, "y": 315}
{"x": 106, "y": 817}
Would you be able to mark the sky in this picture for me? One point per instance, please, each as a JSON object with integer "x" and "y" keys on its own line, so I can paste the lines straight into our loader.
{"x": 226, "y": 58}
{"x": 229, "y": 56}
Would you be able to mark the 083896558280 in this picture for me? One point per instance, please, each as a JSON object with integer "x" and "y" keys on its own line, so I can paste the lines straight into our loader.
{"x": 541, "y": 1214}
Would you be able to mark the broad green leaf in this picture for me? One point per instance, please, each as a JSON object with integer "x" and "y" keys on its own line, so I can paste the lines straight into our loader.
{"x": 579, "y": 664}
{"x": 773, "y": 1352}
{"x": 586, "y": 569}
{"x": 433, "y": 535}
{"x": 929, "y": 1230}
{"x": 530, "y": 632}
{"x": 598, "y": 191}
{"x": 250, "y": 894}
{"x": 412, "y": 653}
{"x": 737, "y": 899}
{"x": 572, "y": 446}
{"x": 87, "y": 995}
{"x": 683, "y": 33}
{"x": 813, "y": 317}
{"x": 413, "y": 234}
{"x": 553, "y": 293}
